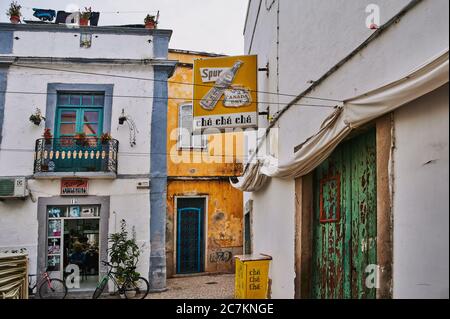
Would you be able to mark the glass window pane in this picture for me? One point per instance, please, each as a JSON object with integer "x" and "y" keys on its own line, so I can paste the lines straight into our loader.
{"x": 53, "y": 263}
{"x": 90, "y": 129}
{"x": 99, "y": 100}
{"x": 63, "y": 99}
{"x": 75, "y": 99}
{"x": 69, "y": 116}
{"x": 90, "y": 117}
{"x": 185, "y": 126}
{"x": 55, "y": 212}
{"x": 54, "y": 246}
{"x": 67, "y": 129}
{"x": 54, "y": 228}
{"x": 198, "y": 141}
{"x": 87, "y": 100}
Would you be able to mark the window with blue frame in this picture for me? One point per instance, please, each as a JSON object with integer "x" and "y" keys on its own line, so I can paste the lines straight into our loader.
{"x": 79, "y": 113}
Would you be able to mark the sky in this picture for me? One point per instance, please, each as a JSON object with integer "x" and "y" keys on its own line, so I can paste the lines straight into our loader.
{"x": 214, "y": 26}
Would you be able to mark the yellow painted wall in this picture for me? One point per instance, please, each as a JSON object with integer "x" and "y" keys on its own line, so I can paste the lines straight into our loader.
{"x": 224, "y": 203}
{"x": 223, "y": 222}
{"x": 221, "y": 158}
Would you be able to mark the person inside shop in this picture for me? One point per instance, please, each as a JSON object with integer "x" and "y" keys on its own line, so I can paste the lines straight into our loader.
{"x": 78, "y": 257}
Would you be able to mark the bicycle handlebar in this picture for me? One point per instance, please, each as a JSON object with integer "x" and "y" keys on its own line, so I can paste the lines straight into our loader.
{"x": 106, "y": 263}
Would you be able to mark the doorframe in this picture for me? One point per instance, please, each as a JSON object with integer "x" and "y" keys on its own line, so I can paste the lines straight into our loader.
{"x": 44, "y": 202}
{"x": 175, "y": 232}
{"x": 304, "y": 199}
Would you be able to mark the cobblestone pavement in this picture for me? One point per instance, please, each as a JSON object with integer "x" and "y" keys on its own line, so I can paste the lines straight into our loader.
{"x": 191, "y": 287}
{"x": 198, "y": 287}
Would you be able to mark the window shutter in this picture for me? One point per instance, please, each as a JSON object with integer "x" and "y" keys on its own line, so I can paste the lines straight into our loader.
{"x": 185, "y": 126}
{"x": 187, "y": 139}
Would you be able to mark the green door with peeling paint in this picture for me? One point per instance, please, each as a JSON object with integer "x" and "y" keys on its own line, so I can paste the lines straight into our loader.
{"x": 344, "y": 222}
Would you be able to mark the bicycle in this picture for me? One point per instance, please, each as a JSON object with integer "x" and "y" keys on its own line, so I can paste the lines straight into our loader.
{"x": 47, "y": 288}
{"x": 131, "y": 288}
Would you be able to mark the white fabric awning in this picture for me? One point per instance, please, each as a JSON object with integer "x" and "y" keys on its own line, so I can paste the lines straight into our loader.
{"x": 352, "y": 114}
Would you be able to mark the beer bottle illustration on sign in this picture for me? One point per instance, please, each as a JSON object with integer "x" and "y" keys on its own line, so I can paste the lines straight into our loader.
{"x": 224, "y": 81}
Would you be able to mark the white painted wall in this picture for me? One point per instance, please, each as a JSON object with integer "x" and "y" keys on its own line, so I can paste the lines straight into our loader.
{"x": 314, "y": 36}
{"x": 18, "y": 219}
{"x": 67, "y": 44}
{"x": 273, "y": 234}
{"x": 421, "y": 207}
{"x": 19, "y": 134}
{"x": 19, "y": 225}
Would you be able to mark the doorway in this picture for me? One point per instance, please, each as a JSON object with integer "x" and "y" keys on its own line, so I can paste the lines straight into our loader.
{"x": 73, "y": 242}
{"x": 344, "y": 220}
{"x": 190, "y": 235}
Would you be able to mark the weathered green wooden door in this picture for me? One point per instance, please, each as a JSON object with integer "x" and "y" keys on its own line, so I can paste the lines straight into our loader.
{"x": 344, "y": 223}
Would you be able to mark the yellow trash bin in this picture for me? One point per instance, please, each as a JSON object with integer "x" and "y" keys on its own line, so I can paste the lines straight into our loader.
{"x": 252, "y": 276}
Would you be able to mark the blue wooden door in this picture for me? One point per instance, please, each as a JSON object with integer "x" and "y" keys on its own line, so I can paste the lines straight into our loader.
{"x": 190, "y": 253}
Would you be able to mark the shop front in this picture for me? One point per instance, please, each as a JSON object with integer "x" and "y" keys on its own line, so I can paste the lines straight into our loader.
{"x": 73, "y": 239}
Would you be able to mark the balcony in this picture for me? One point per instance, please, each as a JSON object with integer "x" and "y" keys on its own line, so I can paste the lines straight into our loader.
{"x": 70, "y": 157}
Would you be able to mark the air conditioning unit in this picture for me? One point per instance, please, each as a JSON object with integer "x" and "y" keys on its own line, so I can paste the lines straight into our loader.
{"x": 13, "y": 187}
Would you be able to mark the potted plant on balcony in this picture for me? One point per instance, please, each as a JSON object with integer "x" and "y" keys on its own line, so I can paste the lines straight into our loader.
{"x": 14, "y": 13}
{"x": 37, "y": 117}
{"x": 47, "y": 136}
{"x": 85, "y": 15}
{"x": 150, "y": 22}
{"x": 81, "y": 139}
{"x": 105, "y": 138}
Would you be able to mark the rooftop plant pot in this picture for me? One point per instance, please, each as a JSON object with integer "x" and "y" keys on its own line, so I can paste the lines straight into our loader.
{"x": 15, "y": 19}
{"x": 84, "y": 22}
{"x": 150, "y": 25}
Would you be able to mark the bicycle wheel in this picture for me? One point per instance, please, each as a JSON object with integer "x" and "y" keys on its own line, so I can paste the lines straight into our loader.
{"x": 137, "y": 289}
{"x": 100, "y": 287}
{"x": 52, "y": 289}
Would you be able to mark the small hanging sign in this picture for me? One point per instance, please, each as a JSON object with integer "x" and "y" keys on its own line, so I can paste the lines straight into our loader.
{"x": 74, "y": 187}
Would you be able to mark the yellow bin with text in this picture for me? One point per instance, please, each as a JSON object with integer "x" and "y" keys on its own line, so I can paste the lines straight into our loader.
{"x": 252, "y": 277}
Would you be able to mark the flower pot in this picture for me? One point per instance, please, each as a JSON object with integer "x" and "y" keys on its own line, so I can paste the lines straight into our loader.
{"x": 84, "y": 22}
{"x": 150, "y": 25}
{"x": 36, "y": 121}
{"x": 15, "y": 19}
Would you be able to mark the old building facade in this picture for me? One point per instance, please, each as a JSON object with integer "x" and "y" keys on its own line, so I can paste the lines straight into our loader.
{"x": 355, "y": 179}
{"x": 94, "y": 88}
{"x": 204, "y": 212}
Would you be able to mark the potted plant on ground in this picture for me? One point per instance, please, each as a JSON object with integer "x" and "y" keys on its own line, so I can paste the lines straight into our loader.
{"x": 14, "y": 13}
{"x": 105, "y": 138}
{"x": 37, "y": 117}
{"x": 124, "y": 253}
{"x": 150, "y": 22}
{"x": 85, "y": 15}
{"x": 47, "y": 136}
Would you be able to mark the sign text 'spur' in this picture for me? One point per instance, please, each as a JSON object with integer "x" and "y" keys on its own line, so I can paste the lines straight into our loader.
{"x": 225, "y": 93}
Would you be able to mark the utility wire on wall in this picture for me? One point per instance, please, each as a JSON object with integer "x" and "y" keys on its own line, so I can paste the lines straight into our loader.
{"x": 164, "y": 98}
{"x": 163, "y": 81}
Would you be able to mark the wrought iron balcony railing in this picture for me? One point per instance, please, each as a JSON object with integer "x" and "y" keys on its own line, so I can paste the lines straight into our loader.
{"x": 69, "y": 154}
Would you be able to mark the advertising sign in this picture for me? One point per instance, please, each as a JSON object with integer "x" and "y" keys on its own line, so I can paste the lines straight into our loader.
{"x": 74, "y": 187}
{"x": 225, "y": 93}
